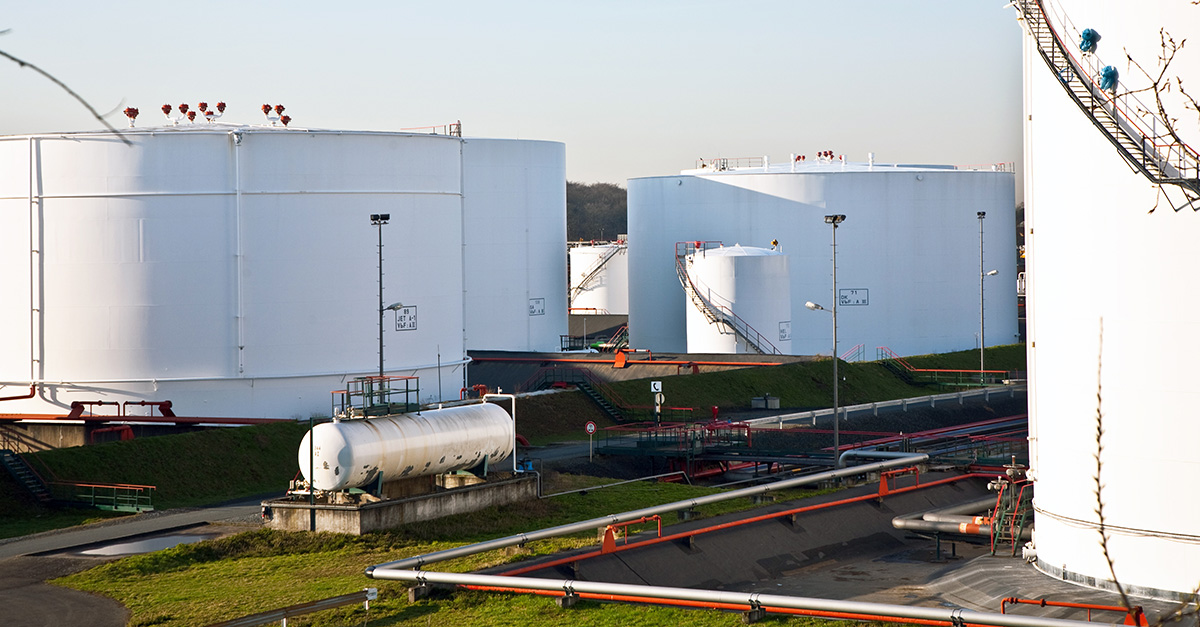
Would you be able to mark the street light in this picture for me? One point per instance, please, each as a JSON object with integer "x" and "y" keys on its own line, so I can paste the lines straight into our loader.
{"x": 833, "y": 221}
{"x": 378, "y": 220}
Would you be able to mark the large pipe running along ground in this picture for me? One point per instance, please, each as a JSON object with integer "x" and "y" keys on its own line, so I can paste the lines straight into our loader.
{"x": 595, "y": 523}
{"x": 747, "y": 599}
{"x": 947, "y": 520}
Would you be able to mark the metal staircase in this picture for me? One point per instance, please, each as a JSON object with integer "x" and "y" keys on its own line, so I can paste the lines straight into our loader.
{"x": 591, "y": 386}
{"x": 594, "y": 271}
{"x": 1144, "y": 140}
{"x": 25, "y": 475}
{"x": 713, "y": 312}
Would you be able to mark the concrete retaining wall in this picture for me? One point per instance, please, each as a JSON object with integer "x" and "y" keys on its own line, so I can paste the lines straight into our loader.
{"x": 289, "y": 515}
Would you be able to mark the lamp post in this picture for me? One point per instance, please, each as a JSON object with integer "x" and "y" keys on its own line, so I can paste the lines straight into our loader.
{"x": 312, "y": 496}
{"x": 833, "y": 221}
{"x": 378, "y": 220}
{"x": 981, "y": 215}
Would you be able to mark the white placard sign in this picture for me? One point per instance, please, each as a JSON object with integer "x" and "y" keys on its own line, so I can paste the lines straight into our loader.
{"x": 406, "y": 318}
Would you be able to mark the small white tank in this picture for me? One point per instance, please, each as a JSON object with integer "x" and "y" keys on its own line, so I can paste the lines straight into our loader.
{"x": 353, "y": 453}
{"x": 744, "y": 287}
{"x": 600, "y": 279}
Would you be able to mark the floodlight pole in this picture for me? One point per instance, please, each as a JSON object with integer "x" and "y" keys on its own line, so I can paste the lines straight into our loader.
{"x": 834, "y": 221}
{"x": 378, "y": 220}
{"x": 981, "y": 215}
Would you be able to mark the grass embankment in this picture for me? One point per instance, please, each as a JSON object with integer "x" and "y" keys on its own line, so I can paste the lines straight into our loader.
{"x": 799, "y": 386}
{"x": 222, "y": 464}
{"x": 261, "y": 570}
{"x": 197, "y": 468}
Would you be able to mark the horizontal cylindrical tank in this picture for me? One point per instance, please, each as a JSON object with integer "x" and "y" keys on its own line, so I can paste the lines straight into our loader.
{"x": 600, "y": 279}
{"x": 747, "y": 298}
{"x": 353, "y": 453}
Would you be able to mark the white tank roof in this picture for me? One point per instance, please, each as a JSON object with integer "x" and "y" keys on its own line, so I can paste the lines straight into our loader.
{"x": 737, "y": 250}
{"x": 221, "y": 128}
{"x": 831, "y": 166}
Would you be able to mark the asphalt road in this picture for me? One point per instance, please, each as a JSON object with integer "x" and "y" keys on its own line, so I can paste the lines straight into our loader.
{"x": 25, "y": 565}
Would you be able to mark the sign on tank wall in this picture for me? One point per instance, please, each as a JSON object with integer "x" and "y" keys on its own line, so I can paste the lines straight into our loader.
{"x": 406, "y": 318}
{"x": 537, "y": 306}
{"x": 785, "y": 331}
{"x": 850, "y": 297}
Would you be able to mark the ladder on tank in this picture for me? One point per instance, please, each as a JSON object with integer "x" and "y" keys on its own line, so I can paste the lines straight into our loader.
{"x": 594, "y": 270}
{"x": 714, "y": 313}
{"x": 1144, "y": 140}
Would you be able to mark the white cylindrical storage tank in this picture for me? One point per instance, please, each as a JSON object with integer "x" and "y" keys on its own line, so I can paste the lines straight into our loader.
{"x": 908, "y": 253}
{"x": 353, "y": 453}
{"x": 230, "y": 269}
{"x": 744, "y": 301}
{"x": 1112, "y": 316}
{"x": 600, "y": 278}
{"x": 515, "y": 239}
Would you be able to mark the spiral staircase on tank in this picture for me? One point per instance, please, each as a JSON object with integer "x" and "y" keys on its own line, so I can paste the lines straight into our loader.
{"x": 1143, "y": 139}
{"x": 713, "y": 312}
{"x": 594, "y": 271}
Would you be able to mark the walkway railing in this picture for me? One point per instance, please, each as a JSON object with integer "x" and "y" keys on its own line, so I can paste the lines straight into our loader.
{"x": 901, "y": 404}
{"x": 1131, "y": 125}
{"x": 939, "y": 376}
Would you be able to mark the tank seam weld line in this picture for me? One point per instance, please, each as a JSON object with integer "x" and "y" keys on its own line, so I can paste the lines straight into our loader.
{"x": 219, "y": 378}
{"x": 1130, "y": 531}
{"x": 315, "y": 192}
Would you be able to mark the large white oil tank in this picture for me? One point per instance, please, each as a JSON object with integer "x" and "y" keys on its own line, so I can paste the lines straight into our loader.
{"x": 908, "y": 252}
{"x": 599, "y": 278}
{"x": 742, "y": 301}
{"x": 230, "y": 269}
{"x": 515, "y": 236}
{"x": 354, "y": 453}
{"x": 1113, "y": 329}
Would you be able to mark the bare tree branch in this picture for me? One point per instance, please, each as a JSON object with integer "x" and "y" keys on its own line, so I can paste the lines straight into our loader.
{"x": 74, "y": 95}
{"x": 1099, "y": 484}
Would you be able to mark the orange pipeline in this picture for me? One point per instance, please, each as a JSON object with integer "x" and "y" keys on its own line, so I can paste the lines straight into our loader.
{"x": 714, "y": 605}
{"x": 665, "y": 362}
{"x": 737, "y": 523}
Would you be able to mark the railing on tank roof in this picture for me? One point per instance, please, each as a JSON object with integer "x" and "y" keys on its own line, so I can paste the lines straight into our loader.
{"x": 1007, "y": 166}
{"x": 453, "y": 129}
{"x": 620, "y": 241}
{"x": 720, "y": 164}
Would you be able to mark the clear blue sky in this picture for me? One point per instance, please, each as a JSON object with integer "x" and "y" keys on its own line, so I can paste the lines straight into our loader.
{"x": 634, "y": 88}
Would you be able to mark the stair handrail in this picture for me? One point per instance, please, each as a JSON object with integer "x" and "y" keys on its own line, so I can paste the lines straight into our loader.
{"x": 717, "y": 312}
{"x": 594, "y": 270}
{"x": 887, "y": 354}
{"x": 855, "y": 351}
{"x": 572, "y": 375}
{"x": 1132, "y": 121}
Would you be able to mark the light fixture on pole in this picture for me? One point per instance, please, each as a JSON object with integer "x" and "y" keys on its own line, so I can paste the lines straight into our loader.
{"x": 378, "y": 220}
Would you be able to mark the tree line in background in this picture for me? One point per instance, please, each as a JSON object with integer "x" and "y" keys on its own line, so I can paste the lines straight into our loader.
{"x": 595, "y": 212}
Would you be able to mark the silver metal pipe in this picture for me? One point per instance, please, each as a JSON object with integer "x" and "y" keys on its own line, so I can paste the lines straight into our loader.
{"x": 867, "y": 452}
{"x": 612, "y": 519}
{"x": 751, "y": 599}
{"x": 945, "y": 513}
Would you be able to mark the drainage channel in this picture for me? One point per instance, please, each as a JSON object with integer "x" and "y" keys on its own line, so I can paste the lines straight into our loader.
{"x": 142, "y": 543}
